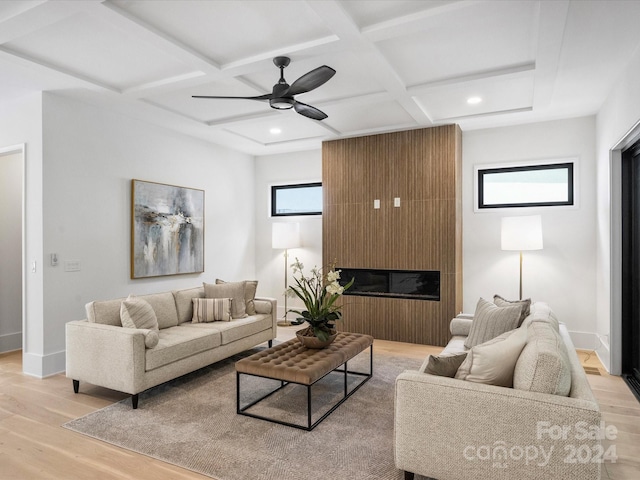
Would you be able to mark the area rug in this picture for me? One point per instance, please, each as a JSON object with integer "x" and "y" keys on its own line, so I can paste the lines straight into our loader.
{"x": 191, "y": 422}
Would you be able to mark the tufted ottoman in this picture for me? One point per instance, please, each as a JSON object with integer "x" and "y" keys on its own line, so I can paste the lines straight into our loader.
{"x": 290, "y": 362}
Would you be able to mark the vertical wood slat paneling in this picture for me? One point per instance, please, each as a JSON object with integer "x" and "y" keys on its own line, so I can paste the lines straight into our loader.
{"x": 422, "y": 168}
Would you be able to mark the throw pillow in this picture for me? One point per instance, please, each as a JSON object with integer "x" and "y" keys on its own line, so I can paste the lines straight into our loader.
{"x": 137, "y": 313}
{"x": 493, "y": 362}
{"x": 151, "y": 338}
{"x": 543, "y": 365}
{"x": 249, "y": 294}
{"x": 489, "y": 321}
{"x": 232, "y": 290}
{"x": 211, "y": 310}
{"x": 526, "y": 306}
{"x": 445, "y": 365}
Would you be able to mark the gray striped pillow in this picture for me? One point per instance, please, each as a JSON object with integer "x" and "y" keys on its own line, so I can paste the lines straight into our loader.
{"x": 211, "y": 310}
{"x": 489, "y": 321}
{"x": 138, "y": 313}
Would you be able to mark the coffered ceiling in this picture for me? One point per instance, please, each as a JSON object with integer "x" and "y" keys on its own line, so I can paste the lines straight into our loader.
{"x": 400, "y": 64}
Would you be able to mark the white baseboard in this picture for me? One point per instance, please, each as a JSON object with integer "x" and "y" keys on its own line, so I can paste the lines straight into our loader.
{"x": 42, "y": 366}
{"x": 585, "y": 340}
{"x": 10, "y": 342}
{"x": 604, "y": 354}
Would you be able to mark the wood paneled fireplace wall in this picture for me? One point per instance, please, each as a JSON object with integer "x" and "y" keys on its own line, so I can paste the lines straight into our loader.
{"x": 393, "y": 202}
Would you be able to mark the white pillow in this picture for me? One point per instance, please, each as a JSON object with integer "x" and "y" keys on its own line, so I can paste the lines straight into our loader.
{"x": 211, "y": 310}
{"x": 494, "y": 362}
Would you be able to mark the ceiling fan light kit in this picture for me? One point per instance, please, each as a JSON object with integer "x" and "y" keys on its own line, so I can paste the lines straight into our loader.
{"x": 282, "y": 94}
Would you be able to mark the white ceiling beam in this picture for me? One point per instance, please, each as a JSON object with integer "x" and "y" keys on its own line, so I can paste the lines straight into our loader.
{"x": 551, "y": 24}
{"x": 368, "y": 54}
{"x": 512, "y": 71}
{"x": 412, "y": 23}
{"x": 47, "y": 68}
{"x": 38, "y": 16}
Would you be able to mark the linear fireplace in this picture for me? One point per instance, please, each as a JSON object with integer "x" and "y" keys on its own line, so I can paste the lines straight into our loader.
{"x": 412, "y": 284}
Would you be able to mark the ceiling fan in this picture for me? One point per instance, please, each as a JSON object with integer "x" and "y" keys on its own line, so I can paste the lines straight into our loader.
{"x": 281, "y": 97}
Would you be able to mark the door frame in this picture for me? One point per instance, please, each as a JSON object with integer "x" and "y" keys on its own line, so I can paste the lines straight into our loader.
{"x": 21, "y": 150}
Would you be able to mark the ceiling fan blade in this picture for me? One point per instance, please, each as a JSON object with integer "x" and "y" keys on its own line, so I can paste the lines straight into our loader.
{"x": 266, "y": 96}
{"x": 309, "y": 111}
{"x": 310, "y": 80}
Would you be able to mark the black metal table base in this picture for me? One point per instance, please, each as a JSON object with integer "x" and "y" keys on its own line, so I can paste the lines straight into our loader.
{"x": 310, "y": 424}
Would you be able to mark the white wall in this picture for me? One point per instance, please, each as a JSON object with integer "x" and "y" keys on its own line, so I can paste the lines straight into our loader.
{"x": 11, "y": 251}
{"x": 563, "y": 274}
{"x": 618, "y": 116}
{"x": 91, "y": 155}
{"x": 299, "y": 167}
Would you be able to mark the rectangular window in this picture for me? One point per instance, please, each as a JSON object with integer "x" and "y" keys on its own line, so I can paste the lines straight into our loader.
{"x": 299, "y": 199}
{"x": 526, "y": 186}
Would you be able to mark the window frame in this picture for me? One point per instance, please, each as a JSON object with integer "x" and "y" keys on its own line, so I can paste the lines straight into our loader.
{"x": 570, "y": 164}
{"x": 276, "y": 187}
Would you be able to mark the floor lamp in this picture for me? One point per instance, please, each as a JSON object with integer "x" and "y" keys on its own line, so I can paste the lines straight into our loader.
{"x": 520, "y": 234}
{"x": 285, "y": 236}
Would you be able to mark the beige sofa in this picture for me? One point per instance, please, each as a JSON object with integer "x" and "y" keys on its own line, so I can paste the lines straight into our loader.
{"x": 102, "y": 352}
{"x": 453, "y": 429}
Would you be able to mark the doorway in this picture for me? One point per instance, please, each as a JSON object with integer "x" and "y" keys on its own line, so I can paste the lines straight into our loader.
{"x": 631, "y": 267}
{"x": 11, "y": 248}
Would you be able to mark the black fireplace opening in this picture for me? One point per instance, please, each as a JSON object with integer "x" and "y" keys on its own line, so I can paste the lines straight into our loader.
{"x": 412, "y": 284}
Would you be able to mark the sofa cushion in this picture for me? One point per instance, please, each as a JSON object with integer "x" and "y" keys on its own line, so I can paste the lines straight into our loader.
{"x": 184, "y": 306}
{"x": 489, "y": 321}
{"x": 181, "y": 342}
{"x": 493, "y": 362}
{"x": 543, "y": 365}
{"x": 233, "y": 290}
{"x": 444, "y": 365}
{"x": 165, "y": 307}
{"x": 526, "y": 306}
{"x": 237, "y": 329}
{"x": 211, "y": 310}
{"x": 541, "y": 312}
{"x": 107, "y": 312}
{"x": 250, "y": 288}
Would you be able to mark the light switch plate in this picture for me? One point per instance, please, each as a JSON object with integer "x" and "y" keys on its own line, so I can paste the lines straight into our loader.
{"x": 396, "y": 202}
{"x": 376, "y": 203}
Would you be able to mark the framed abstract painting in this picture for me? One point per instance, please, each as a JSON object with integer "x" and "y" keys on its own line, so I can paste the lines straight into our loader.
{"x": 167, "y": 230}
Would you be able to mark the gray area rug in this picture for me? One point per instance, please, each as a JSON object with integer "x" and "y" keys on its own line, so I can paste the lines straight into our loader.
{"x": 192, "y": 422}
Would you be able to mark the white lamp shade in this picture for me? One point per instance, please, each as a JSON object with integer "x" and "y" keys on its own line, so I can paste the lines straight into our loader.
{"x": 285, "y": 235}
{"x": 522, "y": 233}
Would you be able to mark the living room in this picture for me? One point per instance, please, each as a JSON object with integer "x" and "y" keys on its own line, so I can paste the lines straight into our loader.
{"x": 80, "y": 155}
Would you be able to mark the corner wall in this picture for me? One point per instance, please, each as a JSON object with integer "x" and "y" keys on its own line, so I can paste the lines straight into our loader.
{"x": 563, "y": 274}
{"x": 618, "y": 116}
{"x": 90, "y": 157}
{"x": 289, "y": 168}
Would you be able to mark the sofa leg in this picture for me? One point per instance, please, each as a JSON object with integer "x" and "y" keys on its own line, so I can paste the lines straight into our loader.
{"x": 76, "y": 386}
{"x": 270, "y": 343}
{"x": 408, "y": 475}
{"x": 134, "y": 401}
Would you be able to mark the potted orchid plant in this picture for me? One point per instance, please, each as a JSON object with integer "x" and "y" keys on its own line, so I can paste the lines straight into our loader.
{"x": 319, "y": 292}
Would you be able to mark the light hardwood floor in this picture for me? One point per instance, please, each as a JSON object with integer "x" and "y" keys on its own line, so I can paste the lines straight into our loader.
{"x": 33, "y": 446}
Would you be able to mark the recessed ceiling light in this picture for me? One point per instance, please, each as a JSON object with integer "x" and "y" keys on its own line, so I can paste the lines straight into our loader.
{"x": 473, "y": 100}
{"x": 275, "y": 131}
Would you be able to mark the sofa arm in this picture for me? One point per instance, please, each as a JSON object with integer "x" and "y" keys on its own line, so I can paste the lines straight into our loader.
{"x": 106, "y": 355}
{"x": 453, "y": 429}
{"x": 267, "y": 305}
{"x": 461, "y": 325}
